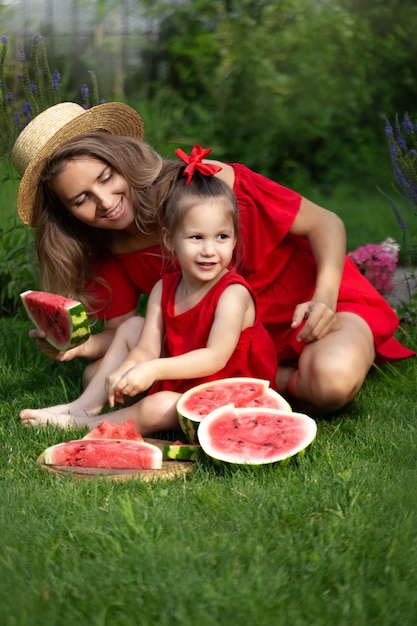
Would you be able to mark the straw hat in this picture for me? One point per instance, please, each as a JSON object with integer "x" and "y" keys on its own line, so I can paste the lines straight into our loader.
{"x": 51, "y": 129}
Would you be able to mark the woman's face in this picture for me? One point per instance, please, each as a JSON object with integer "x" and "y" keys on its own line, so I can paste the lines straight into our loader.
{"x": 95, "y": 194}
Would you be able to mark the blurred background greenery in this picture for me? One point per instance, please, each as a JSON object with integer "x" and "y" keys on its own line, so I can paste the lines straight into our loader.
{"x": 298, "y": 90}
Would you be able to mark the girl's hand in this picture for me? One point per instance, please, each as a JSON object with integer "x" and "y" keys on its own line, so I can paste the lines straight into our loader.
{"x": 319, "y": 317}
{"x": 129, "y": 383}
{"x": 50, "y": 351}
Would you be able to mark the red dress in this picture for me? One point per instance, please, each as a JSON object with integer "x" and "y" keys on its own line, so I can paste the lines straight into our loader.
{"x": 278, "y": 266}
{"x": 254, "y": 354}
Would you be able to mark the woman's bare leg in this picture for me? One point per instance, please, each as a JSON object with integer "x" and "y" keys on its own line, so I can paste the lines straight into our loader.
{"x": 94, "y": 397}
{"x": 330, "y": 371}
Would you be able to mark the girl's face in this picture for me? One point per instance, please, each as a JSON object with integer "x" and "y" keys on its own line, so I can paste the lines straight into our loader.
{"x": 95, "y": 194}
{"x": 204, "y": 241}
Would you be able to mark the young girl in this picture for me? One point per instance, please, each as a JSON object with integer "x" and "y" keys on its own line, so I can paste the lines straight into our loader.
{"x": 202, "y": 319}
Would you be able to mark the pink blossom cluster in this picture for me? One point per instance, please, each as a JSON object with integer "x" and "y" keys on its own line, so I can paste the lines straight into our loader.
{"x": 377, "y": 262}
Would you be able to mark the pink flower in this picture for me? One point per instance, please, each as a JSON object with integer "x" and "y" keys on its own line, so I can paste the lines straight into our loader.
{"x": 377, "y": 262}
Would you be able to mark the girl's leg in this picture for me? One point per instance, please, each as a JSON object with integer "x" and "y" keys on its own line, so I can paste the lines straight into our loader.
{"x": 330, "y": 371}
{"x": 94, "y": 397}
{"x": 151, "y": 414}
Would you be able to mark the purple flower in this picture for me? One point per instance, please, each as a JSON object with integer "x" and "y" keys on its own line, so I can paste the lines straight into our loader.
{"x": 399, "y": 137}
{"x": 56, "y": 78}
{"x": 408, "y": 125}
{"x": 17, "y": 118}
{"x": 27, "y": 109}
{"x": 3, "y": 39}
{"x": 9, "y": 96}
{"x": 84, "y": 92}
{"x": 388, "y": 129}
{"x": 377, "y": 262}
{"x": 33, "y": 86}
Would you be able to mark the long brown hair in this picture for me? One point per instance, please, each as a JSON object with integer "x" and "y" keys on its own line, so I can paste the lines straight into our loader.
{"x": 67, "y": 247}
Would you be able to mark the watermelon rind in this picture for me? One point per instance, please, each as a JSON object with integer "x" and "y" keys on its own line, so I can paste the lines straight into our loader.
{"x": 190, "y": 420}
{"x": 94, "y": 453}
{"x": 75, "y": 317}
{"x": 255, "y": 446}
{"x": 181, "y": 451}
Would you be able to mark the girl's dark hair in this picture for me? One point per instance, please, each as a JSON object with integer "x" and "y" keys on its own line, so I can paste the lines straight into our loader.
{"x": 184, "y": 196}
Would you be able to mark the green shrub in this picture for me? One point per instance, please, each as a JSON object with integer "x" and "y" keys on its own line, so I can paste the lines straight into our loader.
{"x": 18, "y": 264}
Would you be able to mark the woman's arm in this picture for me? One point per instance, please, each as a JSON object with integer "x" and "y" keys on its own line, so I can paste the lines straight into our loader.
{"x": 327, "y": 237}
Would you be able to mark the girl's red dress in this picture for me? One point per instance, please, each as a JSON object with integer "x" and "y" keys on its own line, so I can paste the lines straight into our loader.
{"x": 254, "y": 354}
{"x": 279, "y": 267}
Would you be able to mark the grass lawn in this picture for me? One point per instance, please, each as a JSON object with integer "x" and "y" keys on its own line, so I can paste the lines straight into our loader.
{"x": 329, "y": 539}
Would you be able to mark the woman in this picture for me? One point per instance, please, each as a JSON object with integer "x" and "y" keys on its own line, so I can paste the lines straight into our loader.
{"x": 97, "y": 237}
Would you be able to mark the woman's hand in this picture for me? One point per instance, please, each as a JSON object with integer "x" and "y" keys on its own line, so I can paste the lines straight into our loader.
{"x": 319, "y": 317}
{"x": 50, "y": 351}
{"x": 93, "y": 349}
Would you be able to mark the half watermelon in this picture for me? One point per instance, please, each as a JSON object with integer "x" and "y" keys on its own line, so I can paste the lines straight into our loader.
{"x": 63, "y": 320}
{"x": 105, "y": 453}
{"x": 254, "y": 436}
{"x": 197, "y": 402}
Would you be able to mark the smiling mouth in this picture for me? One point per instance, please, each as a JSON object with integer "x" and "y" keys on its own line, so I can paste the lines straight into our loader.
{"x": 115, "y": 212}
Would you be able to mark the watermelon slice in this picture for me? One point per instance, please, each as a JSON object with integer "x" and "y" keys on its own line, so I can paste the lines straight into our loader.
{"x": 255, "y": 436}
{"x": 110, "y": 430}
{"x": 63, "y": 320}
{"x": 197, "y": 402}
{"x": 105, "y": 453}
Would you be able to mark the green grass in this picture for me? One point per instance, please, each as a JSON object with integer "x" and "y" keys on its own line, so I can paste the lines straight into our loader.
{"x": 367, "y": 214}
{"x": 328, "y": 539}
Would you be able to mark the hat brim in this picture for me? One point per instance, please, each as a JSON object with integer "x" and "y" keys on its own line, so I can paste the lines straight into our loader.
{"x": 114, "y": 117}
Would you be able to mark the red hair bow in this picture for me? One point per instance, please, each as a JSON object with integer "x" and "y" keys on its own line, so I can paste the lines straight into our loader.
{"x": 194, "y": 162}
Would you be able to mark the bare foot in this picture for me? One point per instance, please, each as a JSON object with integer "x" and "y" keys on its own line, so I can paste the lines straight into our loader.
{"x": 61, "y": 416}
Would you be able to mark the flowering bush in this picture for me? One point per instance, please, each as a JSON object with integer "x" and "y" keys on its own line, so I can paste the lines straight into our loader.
{"x": 403, "y": 154}
{"x": 38, "y": 88}
{"x": 377, "y": 262}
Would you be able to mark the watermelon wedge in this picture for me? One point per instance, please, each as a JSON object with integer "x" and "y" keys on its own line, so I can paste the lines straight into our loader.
{"x": 255, "y": 436}
{"x": 110, "y": 430}
{"x": 63, "y": 320}
{"x": 105, "y": 453}
{"x": 197, "y": 402}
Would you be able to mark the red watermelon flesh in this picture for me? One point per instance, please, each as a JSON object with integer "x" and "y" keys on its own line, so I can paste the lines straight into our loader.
{"x": 110, "y": 430}
{"x": 63, "y": 320}
{"x": 270, "y": 399}
{"x": 200, "y": 400}
{"x": 108, "y": 453}
{"x": 255, "y": 435}
{"x": 197, "y": 402}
